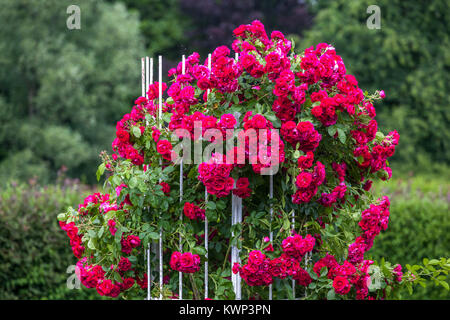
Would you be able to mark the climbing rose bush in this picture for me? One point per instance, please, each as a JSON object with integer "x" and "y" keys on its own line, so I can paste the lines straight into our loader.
{"x": 321, "y": 130}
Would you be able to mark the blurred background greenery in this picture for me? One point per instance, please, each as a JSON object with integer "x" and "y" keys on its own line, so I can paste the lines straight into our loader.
{"x": 62, "y": 91}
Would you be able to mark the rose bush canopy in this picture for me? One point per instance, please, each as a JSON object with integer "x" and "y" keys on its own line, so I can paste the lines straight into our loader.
{"x": 306, "y": 115}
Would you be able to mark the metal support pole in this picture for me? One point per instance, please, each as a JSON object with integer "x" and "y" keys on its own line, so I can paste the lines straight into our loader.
{"x": 271, "y": 232}
{"x": 161, "y": 276}
{"x": 180, "y": 246}
{"x": 293, "y": 228}
{"x": 236, "y": 218}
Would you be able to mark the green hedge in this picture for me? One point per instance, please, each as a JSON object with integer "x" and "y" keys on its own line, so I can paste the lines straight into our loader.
{"x": 419, "y": 227}
{"x": 34, "y": 252}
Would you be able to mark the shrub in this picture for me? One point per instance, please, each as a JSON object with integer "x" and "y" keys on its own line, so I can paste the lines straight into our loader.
{"x": 328, "y": 151}
{"x": 418, "y": 227}
{"x": 34, "y": 255}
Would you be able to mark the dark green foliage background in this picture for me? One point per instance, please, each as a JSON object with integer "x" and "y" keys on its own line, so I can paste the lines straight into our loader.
{"x": 34, "y": 251}
{"x": 61, "y": 90}
{"x": 419, "y": 226}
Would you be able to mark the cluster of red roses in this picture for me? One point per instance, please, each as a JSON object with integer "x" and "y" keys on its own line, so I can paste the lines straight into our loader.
{"x": 256, "y": 272}
{"x": 165, "y": 187}
{"x": 242, "y": 190}
{"x": 354, "y": 271}
{"x": 96, "y": 198}
{"x": 191, "y": 122}
{"x": 164, "y": 148}
{"x": 296, "y": 246}
{"x": 321, "y": 64}
{"x": 123, "y": 144}
{"x": 223, "y": 76}
{"x": 373, "y": 220}
{"x": 248, "y": 40}
{"x": 185, "y": 262}
{"x": 94, "y": 277}
{"x": 258, "y": 128}
{"x": 112, "y": 226}
{"x": 75, "y": 238}
{"x": 302, "y": 134}
{"x": 215, "y": 175}
{"x": 346, "y": 275}
{"x": 260, "y": 270}
{"x": 376, "y": 158}
{"x": 193, "y": 212}
{"x": 129, "y": 243}
{"x": 271, "y": 59}
{"x": 307, "y": 183}
{"x": 338, "y": 192}
{"x": 103, "y": 200}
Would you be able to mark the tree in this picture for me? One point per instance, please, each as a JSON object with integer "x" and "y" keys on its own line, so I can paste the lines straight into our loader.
{"x": 62, "y": 90}
{"x": 162, "y": 25}
{"x": 175, "y": 27}
{"x": 214, "y": 21}
{"x": 408, "y": 58}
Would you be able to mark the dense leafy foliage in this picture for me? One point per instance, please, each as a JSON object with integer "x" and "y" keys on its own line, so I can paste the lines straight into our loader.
{"x": 202, "y": 25}
{"x": 61, "y": 89}
{"x": 34, "y": 257}
{"x": 163, "y": 26}
{"x": 212, "y": 22}
{"x": 417, "y": 228}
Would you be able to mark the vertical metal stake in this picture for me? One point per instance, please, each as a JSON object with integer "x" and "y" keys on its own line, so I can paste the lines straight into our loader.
{"x": 236, "y": 218}
{"x": 293, "y": 228}
{"x": 161, "y": 276}
{"x": 271, "y": 232}
{"x": 180, "y": 274}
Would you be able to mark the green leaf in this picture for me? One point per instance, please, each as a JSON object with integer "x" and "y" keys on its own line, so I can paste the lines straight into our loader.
{"x": 169, "y": 169}
{"x": 342, "y": 136}
{"x": 199, "y": 250}
{"x": 331, "y": 294}
{"x": 332, "y": 130}
{"x": 91, "y": 244}
{"x": 117, "y": 277}
{"x": 211, "y": 205}
{"x": 133, "y": 182}
{"x": 286, "y": 224}
{"x": 136, "y": 132}
{"x": 153, "y": 235}
{"x": 100, "y": 232}
{"x": 100, "y": 171}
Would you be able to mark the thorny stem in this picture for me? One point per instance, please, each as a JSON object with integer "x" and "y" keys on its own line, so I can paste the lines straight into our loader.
{"x": 194, "y": 287}
{"x": 226, "y": 256}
